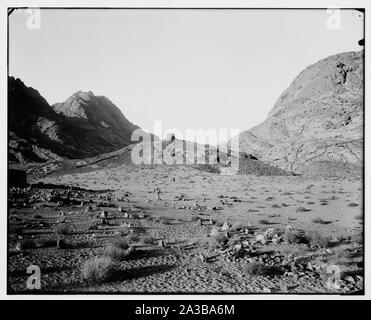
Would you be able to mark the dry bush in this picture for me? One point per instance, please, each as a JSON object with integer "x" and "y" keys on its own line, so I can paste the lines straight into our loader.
{"x": 93, "y": 225}
{"x": 165, "y": 220}
{"x": 123, "y": 230}
{"x": 98, "y": 269}
{"x": 113, "y": 252}
{"x": 26, "y": 244}
{"x": 118, "y": 250}
{"x": 46, "y": 243}
{"x": 236, "y": 227}
{"x": 319, "y": 221}
{"x": 316, "y": 239}
{"x": 147, "y": 240}
{"x": 352, "y": 204}
{"x": 294, "y": 237}
{"x": 263, "y": 221}
{"x": 258, "y": 268}
{"x": 63, "y": 228}
{"x": 216, "y": 241}
{"x": 132, "y": 238}
{"x": 253, "y": 269}
{"x": 134, "y": 215}
{"x": 302, "y": 209}
{"x": 357, "y": 238}
{"x": 121, "y": 243}
{"x": 195, "y": 218}
{"x": 17, "y": 230}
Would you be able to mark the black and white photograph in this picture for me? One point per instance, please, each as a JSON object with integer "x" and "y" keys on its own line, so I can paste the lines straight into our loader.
{"x": 185, "y": 150}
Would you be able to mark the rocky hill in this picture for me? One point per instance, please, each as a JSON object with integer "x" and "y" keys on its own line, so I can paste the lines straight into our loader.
{"x": 83, "y": 126}
{"x": 317, "y": 123}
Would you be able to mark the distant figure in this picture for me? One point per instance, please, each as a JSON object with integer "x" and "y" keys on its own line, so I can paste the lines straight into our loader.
{"x": 157, "y": 191}
{"x": 170, "y": 137}
{"x": 174, "y": 179}
{"x": 217, "y": 156}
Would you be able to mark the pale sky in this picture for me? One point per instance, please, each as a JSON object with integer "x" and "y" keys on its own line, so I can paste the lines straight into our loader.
{"x": 220, "y": 69}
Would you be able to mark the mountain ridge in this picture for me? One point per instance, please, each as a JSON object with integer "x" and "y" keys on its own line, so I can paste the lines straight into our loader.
{"x": 39, "y": 132}
{"x": 318, "y": 118}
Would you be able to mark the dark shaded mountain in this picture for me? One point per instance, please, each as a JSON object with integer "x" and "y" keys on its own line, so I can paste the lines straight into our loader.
{"x": 316, "y": 125}
{"x": 83, "y": 126}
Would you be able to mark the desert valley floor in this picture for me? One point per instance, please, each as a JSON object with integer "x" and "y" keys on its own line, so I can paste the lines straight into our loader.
{"x": 208, "y": 233}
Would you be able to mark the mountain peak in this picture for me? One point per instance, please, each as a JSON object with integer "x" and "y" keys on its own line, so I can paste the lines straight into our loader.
{"x": 324, "y": 101}
{"x": 84, "y": 125}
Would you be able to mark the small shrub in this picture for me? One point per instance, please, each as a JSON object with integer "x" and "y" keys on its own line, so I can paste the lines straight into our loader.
{"x": 121, "y": 243}
{"x": 135, "y": 216}
{"x": 352, "y": 204}
{"x": 263, "y": 221}
{"x": 258, "y": 268}
{"x": 118, "y": 250}
{"x": 216, "y": 241}
{"x": 132, "y": 238}
{"x": 357, "y": 238}
{"x": 147, "y": 240}
{"x": 316, "y": 239}
{"x": 139, "y": 230}
{"x": 98, "y": 269}
{"x": 114, "y": 252}
{"x": 254, "y": 269}
{"x": 26, "y": 244}
{"x": 195, "y": 218}
{"x": 302, "y": 209}
{"x": 46, "y": 243}
{"x": 93, "y": 225}
{"x": 15, "y": 230}
{"x": 236, "y": 227}
{"x": 294, "y": 237}
{"x": 123, "y": 230}
{"x": 164, "y": 220}
{"x": 320, "y": 221}
{"x": 63, "y": 229}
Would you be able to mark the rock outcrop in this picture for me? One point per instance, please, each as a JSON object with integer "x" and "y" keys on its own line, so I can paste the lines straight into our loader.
{"x": 83, "y": 126}
{"x": 317, "y": 123}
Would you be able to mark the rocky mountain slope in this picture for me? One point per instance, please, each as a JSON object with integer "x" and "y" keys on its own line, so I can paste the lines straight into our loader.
{"x": 83, "y": 126}
{"x": 317, "y": 122}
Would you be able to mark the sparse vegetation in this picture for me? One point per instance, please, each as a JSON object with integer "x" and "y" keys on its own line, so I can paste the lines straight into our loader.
{"x": 98, "y": 269}
{"x": 216, "y": 241}
{"x": 147, "y": 240}
{"x": 93, "y": 225}
{"x": 320, "y": 221}
{"x": 257, "y": 268}
{"x": 26, "y": 244}
{"x": 293, "y": 237}
{"x": 263, "y": 221}
{"x": 17, "y": 230}
{"x": 316, "y": 239}
{"x": 164, "y": 220}
{"x": 63, "y": 229}
{"x": 352, "y": 204}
